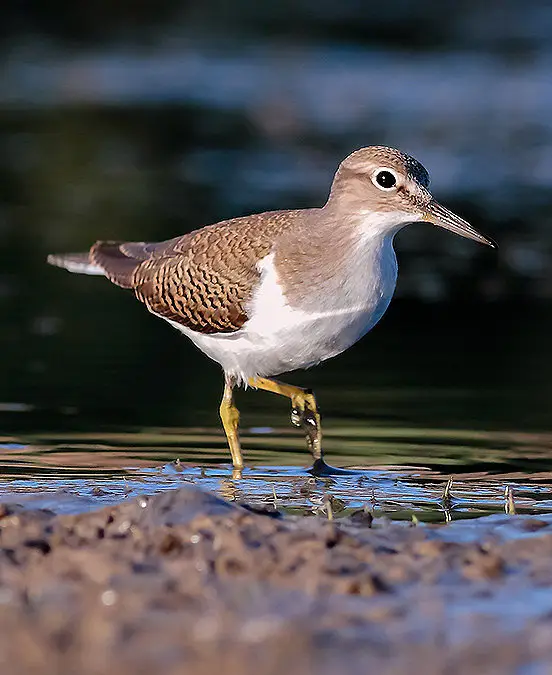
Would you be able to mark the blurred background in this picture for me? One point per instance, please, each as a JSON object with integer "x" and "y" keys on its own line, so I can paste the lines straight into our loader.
{"x": 143, "y": 120}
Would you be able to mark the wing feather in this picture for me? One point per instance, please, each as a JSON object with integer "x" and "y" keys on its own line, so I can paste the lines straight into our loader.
{"x": 203, "y": 280}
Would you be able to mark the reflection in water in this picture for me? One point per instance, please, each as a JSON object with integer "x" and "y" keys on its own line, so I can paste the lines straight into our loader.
{"x": 69, "y": 473}
{"x": 407, "y": 407}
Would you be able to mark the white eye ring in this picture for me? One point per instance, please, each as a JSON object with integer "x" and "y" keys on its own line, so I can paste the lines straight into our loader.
{"x": 389, "y": 179}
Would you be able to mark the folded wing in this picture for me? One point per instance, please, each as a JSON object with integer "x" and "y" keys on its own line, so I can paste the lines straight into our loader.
{"x": 202, "y": 280}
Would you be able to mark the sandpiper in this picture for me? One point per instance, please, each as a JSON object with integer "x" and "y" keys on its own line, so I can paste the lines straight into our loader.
{"x": 274, "y": 292}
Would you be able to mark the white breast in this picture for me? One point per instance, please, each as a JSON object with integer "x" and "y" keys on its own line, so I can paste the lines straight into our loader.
{"x": 279, "y": 338}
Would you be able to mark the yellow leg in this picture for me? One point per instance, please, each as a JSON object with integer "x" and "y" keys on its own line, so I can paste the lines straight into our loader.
{"x": 230, "y": 417}
{"x": 304, "y": 411}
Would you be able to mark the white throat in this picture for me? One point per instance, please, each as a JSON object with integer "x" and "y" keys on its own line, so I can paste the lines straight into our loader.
{"x": 377, "y": 223}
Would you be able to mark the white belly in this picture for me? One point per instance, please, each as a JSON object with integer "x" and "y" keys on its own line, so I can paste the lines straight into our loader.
{"x": 250, "y": 352}
{"x": 279, "y": 338}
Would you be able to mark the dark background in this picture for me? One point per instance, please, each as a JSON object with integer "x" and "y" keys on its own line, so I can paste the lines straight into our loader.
{"x": 143, "y": 120}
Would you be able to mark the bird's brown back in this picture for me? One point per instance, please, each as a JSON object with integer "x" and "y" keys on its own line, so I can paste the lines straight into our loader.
{"x": 202, "y": 280}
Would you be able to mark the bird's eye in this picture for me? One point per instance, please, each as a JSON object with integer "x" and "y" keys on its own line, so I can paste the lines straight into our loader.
{"x": 385, "y": 180}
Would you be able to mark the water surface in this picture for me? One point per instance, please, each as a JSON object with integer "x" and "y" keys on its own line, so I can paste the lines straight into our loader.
{"x": 427, "y": 395}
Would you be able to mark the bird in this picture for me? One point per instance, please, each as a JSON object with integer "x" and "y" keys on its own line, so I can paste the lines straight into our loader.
{"x": 278, "y": 291}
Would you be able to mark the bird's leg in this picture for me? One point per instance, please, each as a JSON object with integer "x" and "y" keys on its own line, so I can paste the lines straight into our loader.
{"x": 304, "y": 411}
{"x": 230, "y": 417}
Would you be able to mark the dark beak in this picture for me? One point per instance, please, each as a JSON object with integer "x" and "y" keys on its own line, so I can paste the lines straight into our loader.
{"x": 442, "y": 217}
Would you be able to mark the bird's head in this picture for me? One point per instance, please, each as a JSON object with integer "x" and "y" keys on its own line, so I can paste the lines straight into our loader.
{"x": 390, "y": 190}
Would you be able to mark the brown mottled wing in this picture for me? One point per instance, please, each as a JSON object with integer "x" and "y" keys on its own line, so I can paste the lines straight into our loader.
{"x": 202, "y": 280}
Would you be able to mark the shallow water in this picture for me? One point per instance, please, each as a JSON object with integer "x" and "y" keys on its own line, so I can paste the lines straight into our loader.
{"x": 422, "y": 398}
{"x": 69, "y": 473}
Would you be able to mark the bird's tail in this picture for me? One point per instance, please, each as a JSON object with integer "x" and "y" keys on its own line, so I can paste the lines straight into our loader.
{"x": 115, "y": 260}
{"x": 79, "y": 263}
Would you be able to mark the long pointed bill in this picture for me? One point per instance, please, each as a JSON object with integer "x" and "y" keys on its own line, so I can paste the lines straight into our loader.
{"x": 442, "y": 217}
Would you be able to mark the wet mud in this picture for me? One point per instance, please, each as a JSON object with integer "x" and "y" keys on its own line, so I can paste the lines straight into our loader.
{"x": 184, "y": 581}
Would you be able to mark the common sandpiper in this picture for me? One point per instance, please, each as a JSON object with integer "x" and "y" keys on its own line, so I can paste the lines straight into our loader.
{"x": 277, "y": 291}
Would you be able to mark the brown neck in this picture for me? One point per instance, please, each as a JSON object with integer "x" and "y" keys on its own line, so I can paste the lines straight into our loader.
{"x": 313, "y": 259}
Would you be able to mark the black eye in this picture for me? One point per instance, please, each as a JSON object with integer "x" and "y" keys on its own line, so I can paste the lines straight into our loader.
{"x": 386, "y": 180}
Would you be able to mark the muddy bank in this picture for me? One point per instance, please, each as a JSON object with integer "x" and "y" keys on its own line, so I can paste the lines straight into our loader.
{"x": 186, "y": 582}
